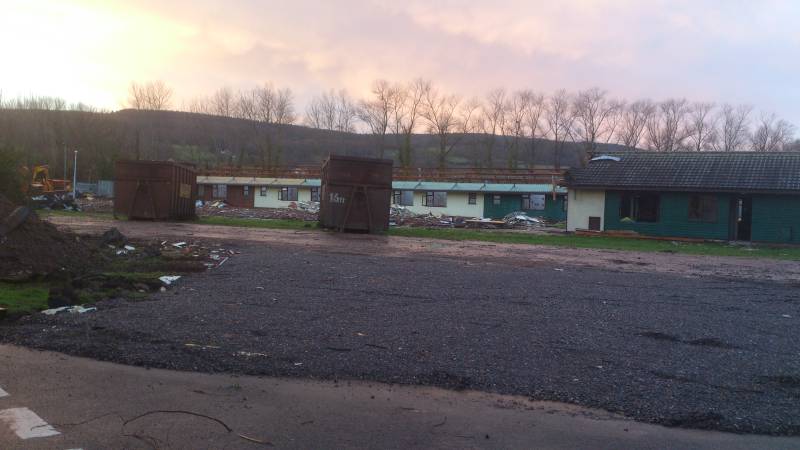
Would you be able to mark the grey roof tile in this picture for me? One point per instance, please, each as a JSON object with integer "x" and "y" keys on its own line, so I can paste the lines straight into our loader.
{"x": 686, "y": 171}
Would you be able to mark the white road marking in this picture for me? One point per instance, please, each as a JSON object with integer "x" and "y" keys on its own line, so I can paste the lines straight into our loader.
{"x": 26, "y": 423}
{"x": 3, "y": 393}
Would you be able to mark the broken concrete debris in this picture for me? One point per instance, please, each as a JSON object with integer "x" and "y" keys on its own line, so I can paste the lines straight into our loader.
{"x": 169, "y": 279}
{"x": 77, "y": 309}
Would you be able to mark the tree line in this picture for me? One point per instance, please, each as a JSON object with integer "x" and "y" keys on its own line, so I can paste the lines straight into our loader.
{"x": 517, "y": 121}
{"x": 519, "y": 125}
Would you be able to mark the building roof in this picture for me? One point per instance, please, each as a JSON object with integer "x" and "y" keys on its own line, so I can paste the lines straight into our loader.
{"x": 256, "y": 181}
{"x": 476, "y": 187}
{"x": 398, "y": 185}
{"x": 691, "y": 171}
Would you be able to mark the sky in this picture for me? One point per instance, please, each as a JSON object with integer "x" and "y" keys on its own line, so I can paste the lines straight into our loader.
{"x": 736, "y": 51}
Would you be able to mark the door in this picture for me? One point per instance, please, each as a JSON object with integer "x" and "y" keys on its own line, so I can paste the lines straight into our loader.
{"x": 741, "y": 219}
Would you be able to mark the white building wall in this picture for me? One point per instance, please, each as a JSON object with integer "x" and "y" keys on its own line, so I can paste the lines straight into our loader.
{"x": 272, "y": 199}
{"x": 583, "y": 204}
{"x": 457, "y": 205}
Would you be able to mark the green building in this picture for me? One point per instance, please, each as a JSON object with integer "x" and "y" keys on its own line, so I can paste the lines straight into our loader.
{"x": 742, "y": 196}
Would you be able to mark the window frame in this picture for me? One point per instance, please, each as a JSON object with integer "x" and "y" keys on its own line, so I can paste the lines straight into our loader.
{"x": 262, "y": 191}
{"x": 631, "y": 201}
{"x": 528, "y": 199}
{"x": 314, "y": 192}
{"x": 497, "y": 199}
{"x": 285, "y": 192}
{"x": 703, "y": 201}
{"x": 219, "y": 191}
{"x": 398, "y": 197}
{"x": 433, "y": 199}
{"x": 472, "y": 198}
{"x": 246, "y": 191}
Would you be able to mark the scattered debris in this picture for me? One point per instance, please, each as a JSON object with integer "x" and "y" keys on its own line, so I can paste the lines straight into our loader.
{"x": 179, "y": 244}
{"x": 521, "y": 219}
{"x": 169, "y": 279}
{"x": 308, "y": 211}
{"x": 251, "y": 354}
{"x": 77, "y": 309}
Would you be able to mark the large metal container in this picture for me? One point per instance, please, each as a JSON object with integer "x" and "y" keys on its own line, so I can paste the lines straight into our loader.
{"x": 156, "y": 190}
{"x": 356, "y": 193}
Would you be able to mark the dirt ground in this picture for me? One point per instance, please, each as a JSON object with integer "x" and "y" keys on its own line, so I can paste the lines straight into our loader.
{"x": 759, "y": 269}
{"x": 678, "y": 348}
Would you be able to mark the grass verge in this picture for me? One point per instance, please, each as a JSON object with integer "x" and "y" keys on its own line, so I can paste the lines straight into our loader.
{"x": 280, "y": 224}
{"x": 565, "y": 240}
{"x": 23, "y": 298}
{"x": 502, "y": 237}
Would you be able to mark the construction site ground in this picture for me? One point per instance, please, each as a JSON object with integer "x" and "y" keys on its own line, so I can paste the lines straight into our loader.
{"x": 678, "y": 340}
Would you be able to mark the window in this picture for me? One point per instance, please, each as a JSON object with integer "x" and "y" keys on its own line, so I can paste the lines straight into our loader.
{"x": 201, "y": 190}
{"x": 564, "y": 203}
{"x": 219, "y": 191}
{"x": 496, "y": 199}
{"x": 639, "y": 207}
{"x": 472, "y": 198}
{"x": 436, "y": 199}
{"x": 403, "y": 198}
{"x": 288, "y": 194}
{"x": 263, "y": 191}
{"x": 533, "y": 201}
{"x": 703, "y": 208}
{"x": 314, "y": 194}
{"x": 247, "y": 191}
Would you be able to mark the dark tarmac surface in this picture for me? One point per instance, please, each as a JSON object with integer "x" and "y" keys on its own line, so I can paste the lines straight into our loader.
{"x": 699, "y": 353}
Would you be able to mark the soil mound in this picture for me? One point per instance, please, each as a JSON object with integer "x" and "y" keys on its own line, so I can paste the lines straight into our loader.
{"x": 38, "y": 248}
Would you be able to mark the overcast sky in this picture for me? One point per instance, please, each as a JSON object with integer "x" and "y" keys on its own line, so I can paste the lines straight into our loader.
{"x": 739, "y": 51}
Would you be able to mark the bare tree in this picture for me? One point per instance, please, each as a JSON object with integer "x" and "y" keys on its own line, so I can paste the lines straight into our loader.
{"x": 332, "y": 111}
{"x": 283, "y": 112}
{"x": 667, "y": 129}
{"x": 560, "y": 123}
{"x": 513, "y": 126}
{"x": 772, "y": 134}
{"x": 702, "y": 134}
{"x": 152, "y": 95}
{"x": 492, "y": 116}
{"x": 223, "y": 102}
{"x": 406, "y": 113}
{"x": 594, "y": 113}
{"x": 733, "y": 127}
{"x": 448, "y": 119}
{"x": 534, "y": 108}
{"x": 634, "y": 119}
{"x": 375, "y": 112}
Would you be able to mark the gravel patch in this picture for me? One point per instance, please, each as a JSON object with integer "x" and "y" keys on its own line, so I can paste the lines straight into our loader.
{"x": 689, "y": 352}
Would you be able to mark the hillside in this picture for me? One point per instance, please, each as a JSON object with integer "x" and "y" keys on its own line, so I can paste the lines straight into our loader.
{"x": 207, "y": 141}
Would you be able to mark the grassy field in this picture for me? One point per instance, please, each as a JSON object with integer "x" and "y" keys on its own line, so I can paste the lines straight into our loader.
{"x": 23, "y": 298}
{"x": 505, "y": 237}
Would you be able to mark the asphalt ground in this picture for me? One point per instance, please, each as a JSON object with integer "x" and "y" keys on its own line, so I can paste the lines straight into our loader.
{"x": 88, "y": 404}
{"x": 679, "y": 351}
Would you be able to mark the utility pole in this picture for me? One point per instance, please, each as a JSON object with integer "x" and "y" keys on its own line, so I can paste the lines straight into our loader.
{"x": 75, "y": 175}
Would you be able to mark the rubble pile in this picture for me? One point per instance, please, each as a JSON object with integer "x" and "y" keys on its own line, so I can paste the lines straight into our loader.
{"x": 519, "y": 219}
{"x": 92, "y": 204}
{"x": 37, "y": 248}
{"x": 308, "y": 211}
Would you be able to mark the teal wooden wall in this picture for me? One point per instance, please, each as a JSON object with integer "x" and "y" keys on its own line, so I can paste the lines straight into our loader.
{"x": 553, "y": 209}
{"x": 673, "y": 218}
{"x": 776, "y": 218}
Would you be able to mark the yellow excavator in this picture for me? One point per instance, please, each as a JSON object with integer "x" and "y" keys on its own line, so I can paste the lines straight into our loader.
{"x": 42, "y": 184}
